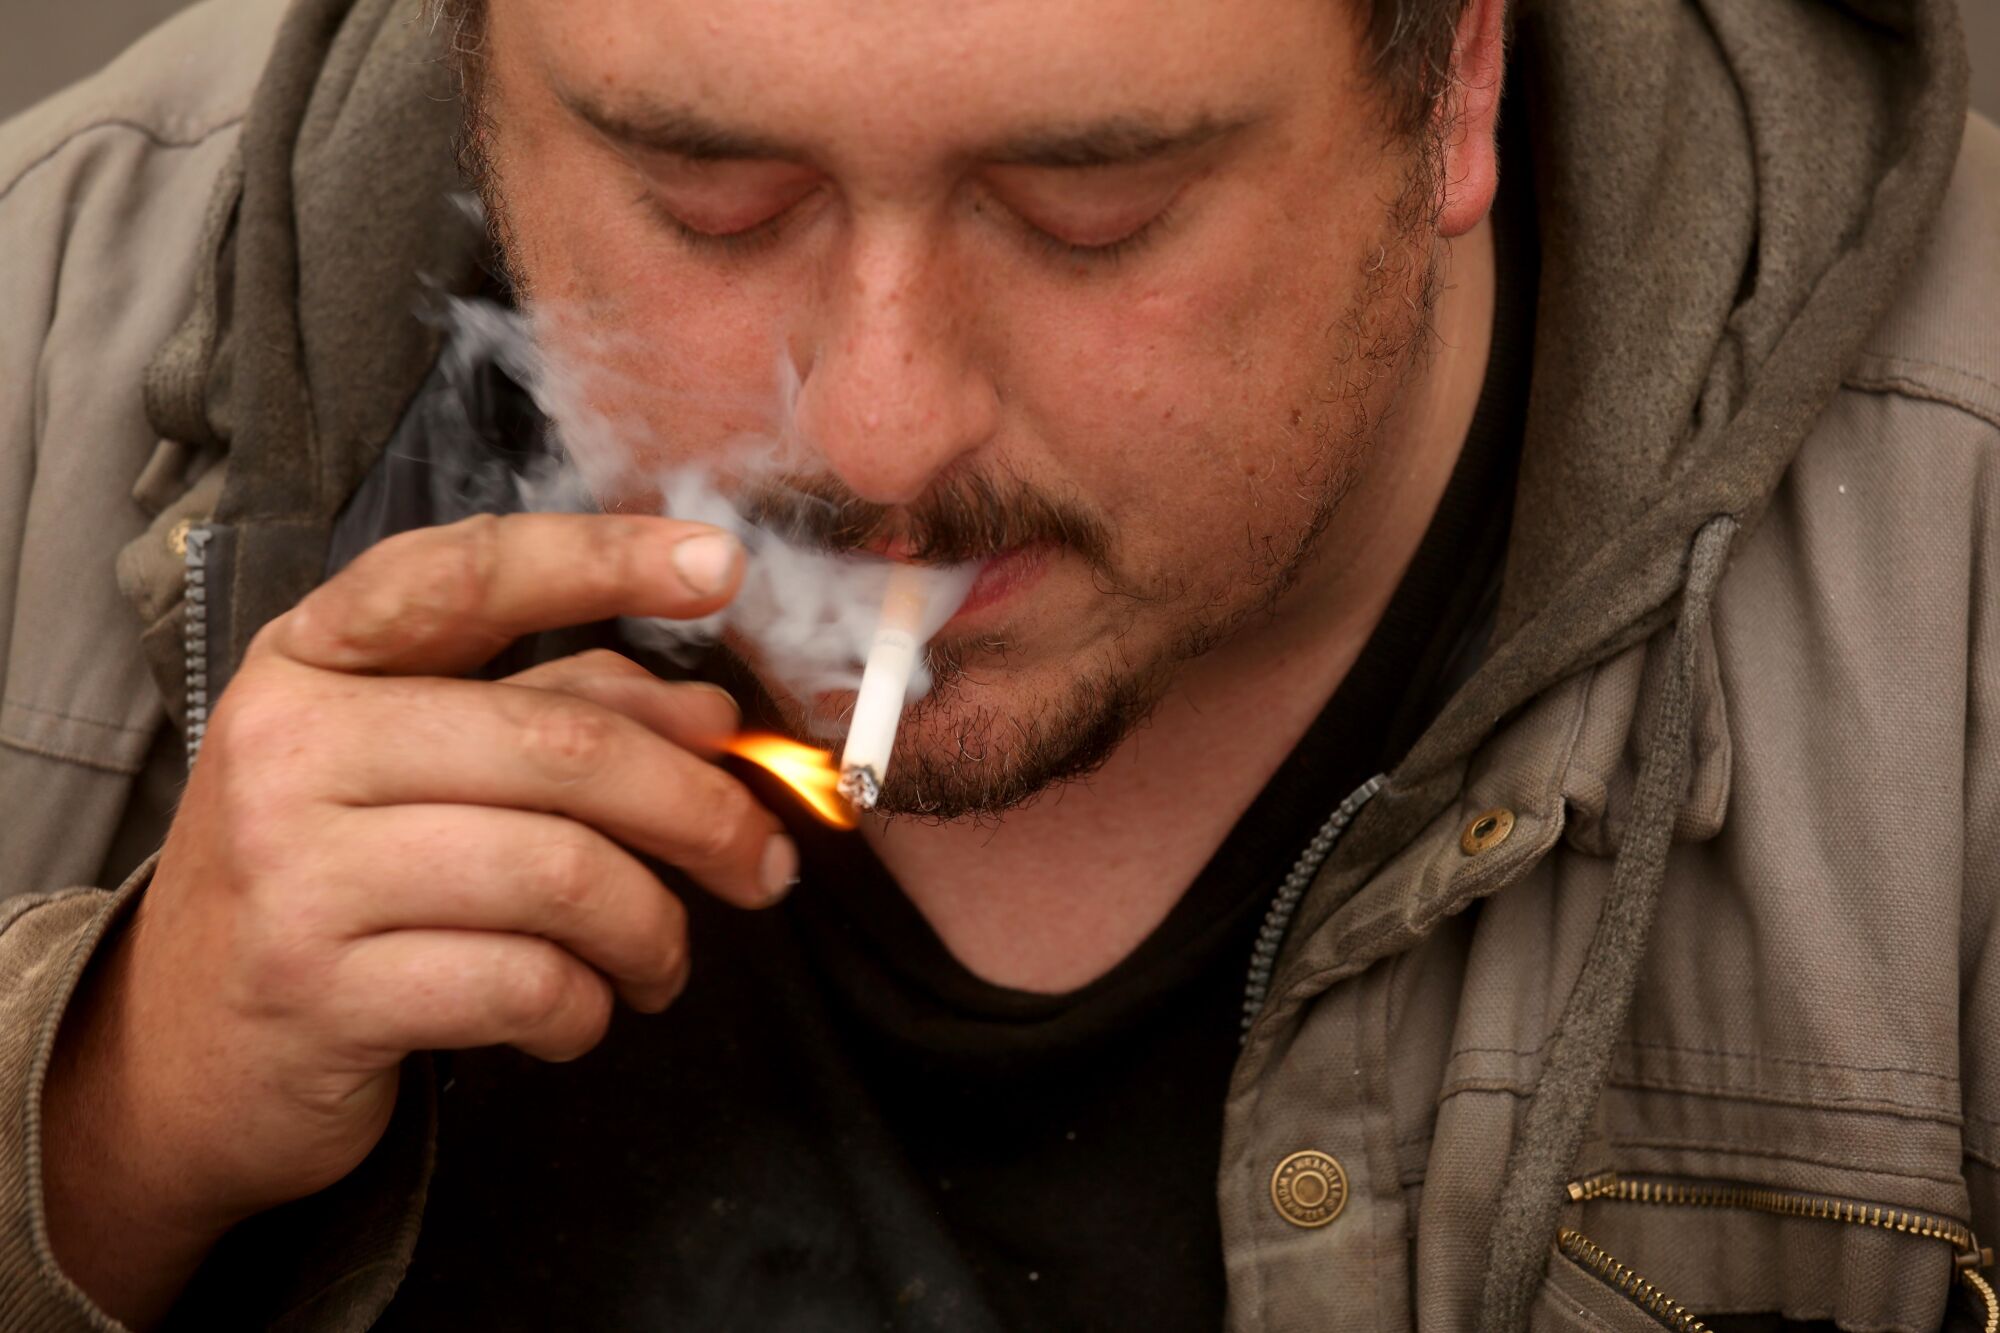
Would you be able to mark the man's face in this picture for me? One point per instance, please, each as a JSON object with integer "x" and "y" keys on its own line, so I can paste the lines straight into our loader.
{"x": 1113, "y": 296}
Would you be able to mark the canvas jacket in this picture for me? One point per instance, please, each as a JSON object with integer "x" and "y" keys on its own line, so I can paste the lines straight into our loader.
{"x": 1660, "y": 978}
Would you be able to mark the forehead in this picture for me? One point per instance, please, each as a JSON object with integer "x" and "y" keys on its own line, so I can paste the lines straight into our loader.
{"x": 908, "y": 76}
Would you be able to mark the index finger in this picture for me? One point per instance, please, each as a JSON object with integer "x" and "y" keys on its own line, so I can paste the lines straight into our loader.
{"x": 442, "y": 600}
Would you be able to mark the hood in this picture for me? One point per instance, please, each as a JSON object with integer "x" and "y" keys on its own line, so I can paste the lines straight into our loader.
{"x": 1729, "y": 193}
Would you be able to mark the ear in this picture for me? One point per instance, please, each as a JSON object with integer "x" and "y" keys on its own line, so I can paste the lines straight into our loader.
{"x": 1469, "y": 115}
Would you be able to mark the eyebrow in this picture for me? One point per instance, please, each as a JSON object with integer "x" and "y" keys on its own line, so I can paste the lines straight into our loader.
{"x": 1115, "y": 141}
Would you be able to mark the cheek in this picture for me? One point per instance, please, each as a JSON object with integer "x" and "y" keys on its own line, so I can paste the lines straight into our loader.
{"x": 1184, "y": 409}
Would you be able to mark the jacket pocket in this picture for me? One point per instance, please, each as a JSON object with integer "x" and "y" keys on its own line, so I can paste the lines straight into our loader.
{"x": 1588, "y": 1289}
{"x": 1669, "y": 1250}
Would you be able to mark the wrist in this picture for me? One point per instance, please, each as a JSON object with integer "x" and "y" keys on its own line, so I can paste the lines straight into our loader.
{"x": 123, "y": 1221}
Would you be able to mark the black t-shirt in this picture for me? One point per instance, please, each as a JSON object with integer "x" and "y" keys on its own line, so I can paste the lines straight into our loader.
{"x": 839, "y": 1127}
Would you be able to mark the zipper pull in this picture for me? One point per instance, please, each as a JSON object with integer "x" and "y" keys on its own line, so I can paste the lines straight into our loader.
{"x": 1592, "y": 1187}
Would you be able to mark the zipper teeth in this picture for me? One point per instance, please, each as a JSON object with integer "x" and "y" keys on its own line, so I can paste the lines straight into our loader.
{"x": 195, "y": 637}
{"x": 1264, "y": 956}
{"x": 1782, "y": 1203}
{"x": 1634, "y": 1288}
{"x": 1984, "y": 1289}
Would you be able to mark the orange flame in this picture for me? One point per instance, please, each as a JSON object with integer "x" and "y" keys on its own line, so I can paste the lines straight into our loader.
{"x": 809, "y": 772}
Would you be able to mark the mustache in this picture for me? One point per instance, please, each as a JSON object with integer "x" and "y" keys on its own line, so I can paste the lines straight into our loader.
{"x": 959, "y": 520}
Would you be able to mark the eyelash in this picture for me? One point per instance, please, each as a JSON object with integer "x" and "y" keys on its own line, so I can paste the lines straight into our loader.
{"x": 735, "y": 244}
{"x": 1106, "y": 255}
{"x": 756, "y": 239}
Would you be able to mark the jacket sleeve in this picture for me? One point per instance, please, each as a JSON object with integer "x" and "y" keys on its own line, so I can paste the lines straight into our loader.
{"x": 45, "y": 943}
{"x": 326, "y": 1264}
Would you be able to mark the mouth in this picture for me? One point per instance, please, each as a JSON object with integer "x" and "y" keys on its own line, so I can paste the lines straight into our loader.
{"x": 1001, "y": 578}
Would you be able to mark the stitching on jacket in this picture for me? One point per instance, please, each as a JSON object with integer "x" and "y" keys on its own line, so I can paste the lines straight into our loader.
{"x": 158, "y": 140}
{"x": 1840, "y": 1103}
{"x": 1733, "y": 1055}
{"x": 1731, "y": 1148}
{"x": 1929, "y": 393}
{"x": 1924, "y": 391}
{"x": 1889, "y": 358}
{"x": 1949, "y": 1115}
{"x": 18, "y": 907}
{"x": 1985, "y": 1120}
{"x": 72, "y": 717}
{"x": 97, "y": 762}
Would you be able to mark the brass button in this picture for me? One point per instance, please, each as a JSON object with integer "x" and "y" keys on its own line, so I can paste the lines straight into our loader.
{"x": 177, "y": 537}
{"x": 1309, "y": 1189}
{"x": 1486, "y": 831}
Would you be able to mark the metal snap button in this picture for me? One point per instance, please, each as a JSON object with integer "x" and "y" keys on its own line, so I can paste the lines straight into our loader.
{"x": 1309, "y": 1189}
{"x": 1486, "y": 831}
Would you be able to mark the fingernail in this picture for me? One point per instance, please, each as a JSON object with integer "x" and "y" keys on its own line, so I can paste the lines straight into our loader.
{"x": 707, "y": 561}
{"x": 780, "y": 868}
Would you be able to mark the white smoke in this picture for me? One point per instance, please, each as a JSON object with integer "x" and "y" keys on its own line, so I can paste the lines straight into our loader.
{"x": 808, "y": 615}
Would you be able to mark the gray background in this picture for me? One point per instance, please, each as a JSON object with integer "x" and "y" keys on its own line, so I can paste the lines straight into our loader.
{"x": 45, "y": 44}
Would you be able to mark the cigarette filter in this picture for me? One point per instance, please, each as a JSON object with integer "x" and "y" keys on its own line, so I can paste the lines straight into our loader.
{"x": 885, "y": 684}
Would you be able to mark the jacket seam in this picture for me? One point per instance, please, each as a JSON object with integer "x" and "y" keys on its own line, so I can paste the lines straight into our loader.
{"x": 1890, "y": 358}
{"x": 80, "y": 720}
{"x": 1805, "y": 1101}
{"x": 156, "y": 137}
{"x": 1836, "y": 1102}
{"x": 1923, "y": 390}
{"x": 1753, "y": 1057}
{"x": 65, "y": 756}
{"x": 1729, "y": 1148}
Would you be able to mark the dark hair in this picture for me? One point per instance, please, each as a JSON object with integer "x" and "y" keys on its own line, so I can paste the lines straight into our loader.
{"x": 1411, "y": 41}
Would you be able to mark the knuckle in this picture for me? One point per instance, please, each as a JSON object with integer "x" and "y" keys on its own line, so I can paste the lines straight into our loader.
{"x": 254, "y": 826}
{"x": 721, "y": 811}
{"x": 536, "y": 992}
{"x": 673, "y": 944}
{"x": 256, "y": 721}
{"x": 606, "y": 568}
{"x": 589, "y": 1019}
{"x": 605, "y": 662}
{"x": 565, "y": 738}
{"x": 281, "y": 958}
{"x": 409, "y": 588}
{"x": 565, "y": 868}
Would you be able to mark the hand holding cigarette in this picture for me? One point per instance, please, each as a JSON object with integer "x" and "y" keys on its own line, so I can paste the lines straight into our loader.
{"x": 373, "y": 858}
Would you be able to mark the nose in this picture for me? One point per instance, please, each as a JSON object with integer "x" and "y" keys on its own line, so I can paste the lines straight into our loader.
{"x": 890, "y": 392}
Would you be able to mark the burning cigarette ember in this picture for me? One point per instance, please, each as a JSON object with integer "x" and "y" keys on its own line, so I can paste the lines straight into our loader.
{"x": 807, "y": 771}
{"x": 885, "y": 685}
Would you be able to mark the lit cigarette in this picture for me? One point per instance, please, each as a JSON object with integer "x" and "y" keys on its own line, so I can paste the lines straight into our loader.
{"x": 885, "y": 684}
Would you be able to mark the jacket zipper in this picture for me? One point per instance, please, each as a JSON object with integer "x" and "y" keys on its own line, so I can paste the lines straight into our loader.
{"x": 1971, "y": 1256}
{"x": 1278, "y": 920}
{"x": 195, "y": 635}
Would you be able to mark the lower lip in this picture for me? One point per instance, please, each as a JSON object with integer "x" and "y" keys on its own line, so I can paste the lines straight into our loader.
{"x": 1001, "y": 578}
